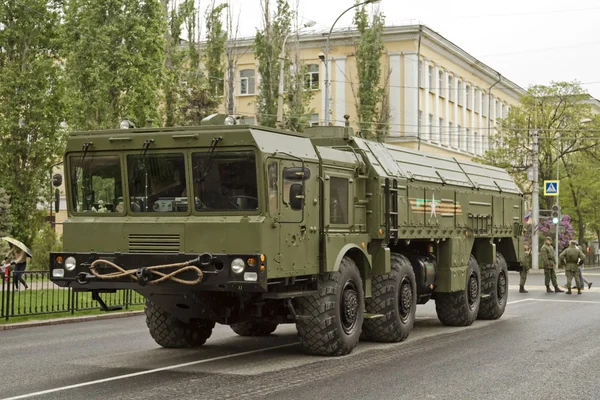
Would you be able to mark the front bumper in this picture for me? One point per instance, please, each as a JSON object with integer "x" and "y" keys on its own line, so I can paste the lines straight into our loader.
{"x": 216, "y": 269}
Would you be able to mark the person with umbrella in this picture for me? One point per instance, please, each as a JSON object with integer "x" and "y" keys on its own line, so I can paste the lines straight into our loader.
{"x": 17, "y": 255}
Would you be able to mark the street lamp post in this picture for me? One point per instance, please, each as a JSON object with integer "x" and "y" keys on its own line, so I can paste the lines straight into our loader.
{"x": 307, "y": 24}
{"x": 326, "y": 117}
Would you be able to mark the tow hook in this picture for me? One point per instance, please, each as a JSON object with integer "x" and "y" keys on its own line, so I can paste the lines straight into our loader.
{"x": 84, "y": 277}
{"x": 143, "y": 276}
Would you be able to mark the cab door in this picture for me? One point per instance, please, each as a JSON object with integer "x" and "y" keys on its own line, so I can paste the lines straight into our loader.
{"x": 298, "y": 218}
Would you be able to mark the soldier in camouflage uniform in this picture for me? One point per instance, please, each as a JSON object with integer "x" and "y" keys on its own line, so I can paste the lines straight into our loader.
{"x": 526, "y": 264}
{"x": 570, "y": 257}
{"x": 548, "y": 263}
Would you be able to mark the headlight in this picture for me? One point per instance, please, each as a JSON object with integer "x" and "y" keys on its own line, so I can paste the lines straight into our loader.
{"x": 70, "y": 263}
{"x": 229, "y": 120}
{"x": 58, "y": 273}
{"x": 238, "y": 265}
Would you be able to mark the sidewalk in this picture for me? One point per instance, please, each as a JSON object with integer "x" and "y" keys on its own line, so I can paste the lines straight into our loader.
{"x": 71, "y": 320}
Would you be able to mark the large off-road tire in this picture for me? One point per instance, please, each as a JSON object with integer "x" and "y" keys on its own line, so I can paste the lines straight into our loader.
{"x": 329, "y": 323}
{"x": 461, "y": 308}
{"x": 494, "y": 287}
{"x": 395, "y": 296}
{"x": 172, "y": 333}
{"x": 254, "y": 328}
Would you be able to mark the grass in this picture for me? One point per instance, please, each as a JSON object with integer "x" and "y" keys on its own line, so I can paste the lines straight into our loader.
{"x": 55, "y": 302}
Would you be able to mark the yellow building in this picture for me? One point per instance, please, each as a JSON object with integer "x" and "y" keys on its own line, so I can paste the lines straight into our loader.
{"x": 442, "y": 99}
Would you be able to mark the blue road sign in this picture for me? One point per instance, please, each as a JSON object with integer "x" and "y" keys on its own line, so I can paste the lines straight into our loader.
{"x": 550, "y": 188}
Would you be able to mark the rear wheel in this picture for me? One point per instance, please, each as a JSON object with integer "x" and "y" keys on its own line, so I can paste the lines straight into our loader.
{"x": 254, "y": 328}
{"x": 394, "y": 295}
{"x": 494, "y": 286}
{"x": 330, "y": 322}
{"x": 169, "y": 332}
{"x": 461, "y": 308}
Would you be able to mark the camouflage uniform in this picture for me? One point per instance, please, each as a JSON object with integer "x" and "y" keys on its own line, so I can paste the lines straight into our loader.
{"x": 547, "y": 258}
{"x": 526, "y": 264}
{"x": 570, "y": 257}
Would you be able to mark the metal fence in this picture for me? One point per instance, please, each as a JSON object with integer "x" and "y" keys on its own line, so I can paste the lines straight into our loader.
{"x": 592, "y": 260}
{"x": 44, "y": 297}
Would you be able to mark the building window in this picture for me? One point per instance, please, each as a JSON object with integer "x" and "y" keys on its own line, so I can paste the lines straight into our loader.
{"x": 457, "y": 138}
{"x": 314, "y": 120}
{"x": 312, "y": 77}
{"x": 468, "y": 144}
{"x": 468, "y": 97}
{"x": 476, "y": 149}
{"x": 439, "y": 129}
{"x": 431, "y": 79}
{"x": 450, "y": 137}
{"x": 460, "y": 94}
{"x": 450, "y": 91}
{"x": 247, "y": 81}
{"x": 485, "y": 101}
{"x": 441, "y": 83}
{"x": 430, "y": 130}
{"x": 477, "y": 100}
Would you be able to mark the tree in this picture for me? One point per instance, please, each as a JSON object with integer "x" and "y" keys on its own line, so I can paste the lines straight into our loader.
{"x": 232, "y": 57}
{"x": 556, "y": 112}
{"x": 370, "y": 97}
{"x": 4, "y": 217}
{"x": 31, "y": 107}
{"x": 215, "y": 47}
{"x": 267, "y": 49}
{"x": 114, "y": 61}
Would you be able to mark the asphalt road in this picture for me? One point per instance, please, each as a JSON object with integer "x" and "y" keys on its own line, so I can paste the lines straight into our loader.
{"x": 546, "y": 346}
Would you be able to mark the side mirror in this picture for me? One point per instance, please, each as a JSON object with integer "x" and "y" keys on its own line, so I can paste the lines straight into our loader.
{"x": 57, "y": 199}
{"x": 296, "y": 197}
{"x": 57, "y": 180}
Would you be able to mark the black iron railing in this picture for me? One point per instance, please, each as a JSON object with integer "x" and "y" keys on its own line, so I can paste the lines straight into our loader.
{"x": 43, "y": 297}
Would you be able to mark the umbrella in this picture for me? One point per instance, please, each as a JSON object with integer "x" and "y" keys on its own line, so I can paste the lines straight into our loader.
{"x": 18, "y": 244}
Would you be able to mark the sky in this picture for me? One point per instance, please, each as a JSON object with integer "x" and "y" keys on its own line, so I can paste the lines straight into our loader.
{"x": 527, "y": 41}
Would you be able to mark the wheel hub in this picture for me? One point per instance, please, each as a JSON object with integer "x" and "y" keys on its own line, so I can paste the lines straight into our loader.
{"x": 472, "y": 290}
{"x": 349, "y": 306}
{"x": 406, "y": 297}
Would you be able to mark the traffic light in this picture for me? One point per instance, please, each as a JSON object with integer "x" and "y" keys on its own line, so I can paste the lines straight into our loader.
{"x": 555, "y": 214}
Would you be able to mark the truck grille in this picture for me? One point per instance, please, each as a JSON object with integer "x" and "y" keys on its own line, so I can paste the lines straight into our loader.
{"x": 153, "y": 243}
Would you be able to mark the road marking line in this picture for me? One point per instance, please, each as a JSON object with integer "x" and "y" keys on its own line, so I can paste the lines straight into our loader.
{"x": 518, "y": 301}
{"x": 568, "y": 301}
{"x": 151, "y": 371}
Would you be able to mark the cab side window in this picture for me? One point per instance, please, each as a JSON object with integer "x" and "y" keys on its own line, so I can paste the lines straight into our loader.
{"x": 338, "y": 200}
{"x": 273, "y": 180}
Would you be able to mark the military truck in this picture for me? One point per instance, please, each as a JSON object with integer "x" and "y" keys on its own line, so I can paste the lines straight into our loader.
{"x": 253, "y": 227}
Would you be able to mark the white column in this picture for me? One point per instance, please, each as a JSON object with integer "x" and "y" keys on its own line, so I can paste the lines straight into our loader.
{"x": 425, "y": 128}
{"x": 436, "y": 105}
{"x": 473, "y": 127}
{"x": 340, "y": 90}
{"x": 446, "y": 134}
{"x": 458, "y": 132}
{"x": 464, "y": 138}
{"x": 395, "y": 94}
{"x": 323, "y": 99}
{"x": 482, "y": 129}
{"x": 411, "y": 87}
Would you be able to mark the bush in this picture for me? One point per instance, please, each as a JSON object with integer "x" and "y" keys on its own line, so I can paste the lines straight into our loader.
{"x": 44, "y": 242}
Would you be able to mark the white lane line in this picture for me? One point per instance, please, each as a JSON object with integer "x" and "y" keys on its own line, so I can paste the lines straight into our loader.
{"x": 151, "y": 371}
{"x": 518, "y": 301}
{"x": 568, "y": 301}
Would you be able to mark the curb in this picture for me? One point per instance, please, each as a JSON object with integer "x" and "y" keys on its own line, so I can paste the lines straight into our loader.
{"x": 70, "y": 320}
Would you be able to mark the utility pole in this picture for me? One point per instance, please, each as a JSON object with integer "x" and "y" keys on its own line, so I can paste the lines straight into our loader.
{"x": 557, "y": 205}
{"x": 535, "y": 205}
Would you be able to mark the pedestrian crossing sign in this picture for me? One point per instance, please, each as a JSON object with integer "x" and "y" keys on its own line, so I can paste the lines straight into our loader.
{"x": 551, "y": 188}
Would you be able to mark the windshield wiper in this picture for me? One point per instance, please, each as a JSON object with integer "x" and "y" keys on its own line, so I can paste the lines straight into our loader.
{"x": 145, "y": 148}
{"x": 211, "y": 158}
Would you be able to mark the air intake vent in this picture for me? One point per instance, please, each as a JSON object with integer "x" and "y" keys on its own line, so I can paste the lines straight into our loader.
{"x": 154, "y": 243}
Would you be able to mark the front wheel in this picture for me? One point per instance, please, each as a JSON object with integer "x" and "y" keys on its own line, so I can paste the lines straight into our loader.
{"x": 461, "y": 308}
{"x": 169, "y": 332}
{"x": 330, "y": 322}
{"x": 494, "y": 285}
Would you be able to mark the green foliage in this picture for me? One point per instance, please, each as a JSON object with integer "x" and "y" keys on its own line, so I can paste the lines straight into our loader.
{"x": 297, "y": 98}
{"x": 370, "y": 96}
{"x": 4, "y": 220}
{"x": 31, "y": 106}
{"x": 564, "y": 122}
{"x": 114, "y": 61}
{"x": 215, "y": 48}
{"x": 45, "y": 242}
{"x": 267, "y": 48}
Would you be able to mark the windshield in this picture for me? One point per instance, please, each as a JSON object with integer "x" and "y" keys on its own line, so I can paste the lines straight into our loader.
{"x": 157, "y": 183}
{"x": 225, "y": 181}
{"x": 96, "y": 184}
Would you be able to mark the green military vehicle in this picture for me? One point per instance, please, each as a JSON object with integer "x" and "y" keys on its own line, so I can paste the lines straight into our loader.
{"x": 254, "y": 227}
